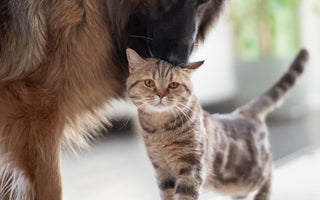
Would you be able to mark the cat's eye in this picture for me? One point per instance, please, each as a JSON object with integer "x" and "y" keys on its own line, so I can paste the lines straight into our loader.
{"x": 173, "y": 85}
{"x": 149, "y": 83}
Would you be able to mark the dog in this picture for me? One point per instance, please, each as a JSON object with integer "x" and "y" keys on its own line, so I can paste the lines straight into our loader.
{"x": 62, "y": 61}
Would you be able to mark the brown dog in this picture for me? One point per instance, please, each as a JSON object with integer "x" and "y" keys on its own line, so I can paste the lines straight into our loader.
{"x": 61, "y": 61}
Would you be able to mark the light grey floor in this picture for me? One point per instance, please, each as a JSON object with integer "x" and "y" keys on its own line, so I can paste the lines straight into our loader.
{"x": 118, "y": 169}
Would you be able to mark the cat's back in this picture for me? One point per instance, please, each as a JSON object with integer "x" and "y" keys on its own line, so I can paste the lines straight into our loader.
{"x": 239, "y": 126}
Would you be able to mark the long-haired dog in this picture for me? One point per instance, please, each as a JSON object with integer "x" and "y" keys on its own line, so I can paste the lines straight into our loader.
{"x": 61, "y": 61}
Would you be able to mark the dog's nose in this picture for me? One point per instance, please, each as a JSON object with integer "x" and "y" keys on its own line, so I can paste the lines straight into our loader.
{"x": 178, "y": 60}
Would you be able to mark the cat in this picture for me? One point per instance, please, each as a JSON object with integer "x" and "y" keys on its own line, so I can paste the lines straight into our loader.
{"x": 188, "y": 147}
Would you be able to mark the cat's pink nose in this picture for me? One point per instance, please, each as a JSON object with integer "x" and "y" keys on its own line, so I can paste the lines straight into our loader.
{"x": 161, "y": 95}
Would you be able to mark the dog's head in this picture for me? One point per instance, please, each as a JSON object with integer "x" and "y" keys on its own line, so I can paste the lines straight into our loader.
{"x": 168, "y": 29}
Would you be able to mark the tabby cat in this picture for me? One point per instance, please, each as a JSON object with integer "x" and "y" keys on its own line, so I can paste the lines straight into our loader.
{"x": 188, "y": 147}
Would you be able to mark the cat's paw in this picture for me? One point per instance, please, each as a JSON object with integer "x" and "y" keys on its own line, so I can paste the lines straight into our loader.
{"x": 262, "y": 196}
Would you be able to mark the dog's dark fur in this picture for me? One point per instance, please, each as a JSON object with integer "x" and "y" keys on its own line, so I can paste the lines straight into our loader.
{"x": 61, "y": 61}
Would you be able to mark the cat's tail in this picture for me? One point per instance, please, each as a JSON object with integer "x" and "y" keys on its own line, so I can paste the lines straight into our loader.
{"x": 268, "y": 101}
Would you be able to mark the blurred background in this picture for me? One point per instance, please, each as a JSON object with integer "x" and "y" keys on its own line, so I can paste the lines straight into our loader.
{"x": 247, "y": 51}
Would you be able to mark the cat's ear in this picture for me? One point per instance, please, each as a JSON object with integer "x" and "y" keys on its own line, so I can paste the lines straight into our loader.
{"x": 195, "y": 65}
{"x": 134, "y": 60}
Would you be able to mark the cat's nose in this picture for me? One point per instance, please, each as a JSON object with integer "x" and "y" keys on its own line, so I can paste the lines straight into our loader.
{"x": 161, "y": 95}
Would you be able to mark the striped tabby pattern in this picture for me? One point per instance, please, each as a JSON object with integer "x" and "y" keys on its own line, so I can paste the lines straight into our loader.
{"x": 188, "y": 147}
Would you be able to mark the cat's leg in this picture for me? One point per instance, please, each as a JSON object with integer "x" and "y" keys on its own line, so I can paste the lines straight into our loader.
{"x": 30, "y": 133}
{"x": 265, "y": 191}
{"x": 188, "y": 183}
{"x": 166, "y": 183}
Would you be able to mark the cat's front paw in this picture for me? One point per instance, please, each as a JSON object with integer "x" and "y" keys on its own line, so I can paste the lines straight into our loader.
{"x": 186, "y": 193}
{"x": 262, "y": 196}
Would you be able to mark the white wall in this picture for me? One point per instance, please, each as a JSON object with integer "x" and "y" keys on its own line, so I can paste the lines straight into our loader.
{"x": 214, "y": 81}
{"x": 310, "y": 34}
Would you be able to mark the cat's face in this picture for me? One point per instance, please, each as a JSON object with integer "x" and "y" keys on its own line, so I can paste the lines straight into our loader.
{"x": 157, "y": 86}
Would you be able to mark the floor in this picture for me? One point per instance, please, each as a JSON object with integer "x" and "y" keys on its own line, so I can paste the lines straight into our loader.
{"x": 117, "y": 168}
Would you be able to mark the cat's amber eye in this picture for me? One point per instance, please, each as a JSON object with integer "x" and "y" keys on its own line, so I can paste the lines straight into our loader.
{"x": 173, "y": 85}
{"x": 149, "y": 83}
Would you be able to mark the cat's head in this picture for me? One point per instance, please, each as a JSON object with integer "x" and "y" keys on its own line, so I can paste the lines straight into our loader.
{"x": 158, "y": 86}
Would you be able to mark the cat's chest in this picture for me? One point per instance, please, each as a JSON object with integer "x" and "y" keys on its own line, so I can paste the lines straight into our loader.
{"x": 165, "y": 147}
{"x": 160, "y": 149}
{"x": 159, "y": 141}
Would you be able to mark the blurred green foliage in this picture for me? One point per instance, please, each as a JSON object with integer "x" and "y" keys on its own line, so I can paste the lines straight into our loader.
{"x": 316, "y": 9}
{"x": 265, "y": 28}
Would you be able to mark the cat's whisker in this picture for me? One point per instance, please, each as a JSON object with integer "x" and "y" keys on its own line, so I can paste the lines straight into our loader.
{"x": 139, "y": 103}
{"x": 179, "y": 114}
{"x": 125, "y": 123}
{"x": 185, "y": 115}
{"x": 140, "y": 106}
{"x": 187, "y": 120}
{"x": 140, "y": 37}
{"x": 175, "y": 118}
{"x": 185, "y": 106}
{"x": 183, "y": 111}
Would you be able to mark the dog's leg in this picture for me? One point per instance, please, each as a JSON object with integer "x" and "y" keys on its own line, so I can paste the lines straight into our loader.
{"x": 47, "y": 178}
{"x": 31, "y": 130}
{"x": 14, "y": 181}
{"x": 28, "y": 173}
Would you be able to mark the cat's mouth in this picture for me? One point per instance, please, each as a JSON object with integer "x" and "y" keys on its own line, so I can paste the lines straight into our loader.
{"x": 161, "y": 105}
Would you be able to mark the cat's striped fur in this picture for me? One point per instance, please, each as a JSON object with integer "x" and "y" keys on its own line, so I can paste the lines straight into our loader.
{"x": 190, "y": 148}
